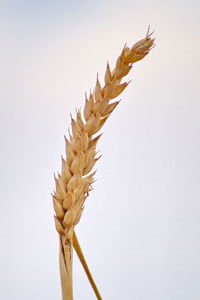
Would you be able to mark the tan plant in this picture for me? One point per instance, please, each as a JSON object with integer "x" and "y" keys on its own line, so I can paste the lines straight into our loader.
{"x": 74, "y": 182}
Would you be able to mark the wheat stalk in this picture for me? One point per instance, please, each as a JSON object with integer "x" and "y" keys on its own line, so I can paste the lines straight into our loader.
{"x": 82, "y": 259}
{"x": 74, "y": 182}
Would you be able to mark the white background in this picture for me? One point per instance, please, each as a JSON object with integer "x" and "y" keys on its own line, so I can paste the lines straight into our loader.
{"x": 140, "y": 228}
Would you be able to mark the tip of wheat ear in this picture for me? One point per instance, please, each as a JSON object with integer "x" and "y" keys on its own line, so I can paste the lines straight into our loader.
{"x": 74, "y": 182}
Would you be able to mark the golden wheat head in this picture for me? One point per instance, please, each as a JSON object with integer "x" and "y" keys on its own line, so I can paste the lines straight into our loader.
{"x": 74, "y": 182}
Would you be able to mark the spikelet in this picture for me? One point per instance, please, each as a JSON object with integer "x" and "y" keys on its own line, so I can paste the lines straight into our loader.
{"x": 75, "y": 181}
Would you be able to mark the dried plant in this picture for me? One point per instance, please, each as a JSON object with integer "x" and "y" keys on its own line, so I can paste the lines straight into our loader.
{"x": 74, "y": 182}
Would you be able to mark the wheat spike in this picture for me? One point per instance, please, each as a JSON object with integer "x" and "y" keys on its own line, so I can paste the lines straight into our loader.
{"x": 74, "y": 182}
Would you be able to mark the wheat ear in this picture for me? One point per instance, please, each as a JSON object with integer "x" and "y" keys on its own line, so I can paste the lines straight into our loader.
{"x": 74, "y": 182}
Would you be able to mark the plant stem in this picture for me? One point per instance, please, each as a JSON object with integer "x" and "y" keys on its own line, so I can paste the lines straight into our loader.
{"x": 66, "y": 259}
{"x": 81, "y": 257}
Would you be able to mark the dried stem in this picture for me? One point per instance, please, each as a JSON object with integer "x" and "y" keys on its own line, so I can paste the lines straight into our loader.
{"x": 82, "y": 259}
{"x": 66, "y": 259}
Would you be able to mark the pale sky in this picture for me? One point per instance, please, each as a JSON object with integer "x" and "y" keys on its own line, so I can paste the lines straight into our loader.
{"x": 140, "y": 228}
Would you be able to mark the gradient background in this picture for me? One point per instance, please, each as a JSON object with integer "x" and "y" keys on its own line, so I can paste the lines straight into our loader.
{"x": 140, "y": 230}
